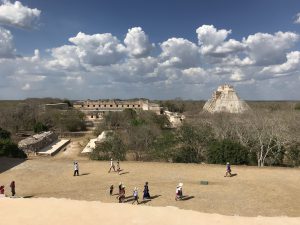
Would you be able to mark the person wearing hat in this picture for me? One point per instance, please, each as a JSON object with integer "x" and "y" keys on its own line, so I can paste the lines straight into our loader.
{"x": 135, "y": 196}
{"x": 76, "y": 169}
{"x": 228, "y": 170}
{"x": 179, "y": 193}
{"x": 112, "y": 165}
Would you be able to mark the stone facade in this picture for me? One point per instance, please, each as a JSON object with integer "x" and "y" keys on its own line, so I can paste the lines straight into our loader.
{"x": 95, "y": 108}
{"x": 33, "y": 144}
{"x": 225, "y": 99}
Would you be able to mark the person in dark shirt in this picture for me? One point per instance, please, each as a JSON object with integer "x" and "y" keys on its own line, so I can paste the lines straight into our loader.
{"x": 13, "y": 188}
{"x": 111, "y": 189}
{"x": 146, "y": 191}
{"x": 228, "y": 170}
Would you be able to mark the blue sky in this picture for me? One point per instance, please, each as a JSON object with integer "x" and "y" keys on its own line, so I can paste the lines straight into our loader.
{"x": 173, "y": 48}
{"x": 160, "y": 19}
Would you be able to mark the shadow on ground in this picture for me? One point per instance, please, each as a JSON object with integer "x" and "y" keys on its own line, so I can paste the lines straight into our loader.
{"x": 84, "y": 174}
{"x": 185, "y": 198}
{"x": 8, "y": 163}
{"x": 123, "y": 173}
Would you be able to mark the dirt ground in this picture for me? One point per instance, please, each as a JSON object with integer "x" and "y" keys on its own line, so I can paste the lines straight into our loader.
{"x": 252, "y": 192}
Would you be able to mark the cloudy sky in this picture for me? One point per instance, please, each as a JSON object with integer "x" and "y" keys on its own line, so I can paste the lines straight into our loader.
{"x": 153, "y": 49}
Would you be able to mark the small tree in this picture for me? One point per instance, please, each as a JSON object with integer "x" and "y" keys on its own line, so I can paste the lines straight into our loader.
{"x": 193, "y": 142}
{"x": 112, "y": 147}
{"x": 39, "y": 127}
{"x": 4, "y": 134}
{"x": 226, "y": 150}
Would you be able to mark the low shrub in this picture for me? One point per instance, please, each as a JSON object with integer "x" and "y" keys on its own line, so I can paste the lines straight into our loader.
{"x": 220, "y": 152}
{"x": 10, "y": 149}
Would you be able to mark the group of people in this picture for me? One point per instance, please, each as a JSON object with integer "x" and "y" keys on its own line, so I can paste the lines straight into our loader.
{"x": 12, "y": 189}
{"x": 121, "y": 195}
{"x": 112, "y": 166}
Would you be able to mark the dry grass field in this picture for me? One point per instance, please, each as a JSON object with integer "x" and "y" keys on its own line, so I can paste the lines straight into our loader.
{"x": 252, "y": 192}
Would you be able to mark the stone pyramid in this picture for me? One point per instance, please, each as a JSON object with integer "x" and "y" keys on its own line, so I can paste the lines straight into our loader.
{"x": 225, "y": 99}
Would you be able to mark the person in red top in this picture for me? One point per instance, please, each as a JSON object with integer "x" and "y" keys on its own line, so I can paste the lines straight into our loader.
{"x": 13, "y": 188}
{"x": 2, "y": 190}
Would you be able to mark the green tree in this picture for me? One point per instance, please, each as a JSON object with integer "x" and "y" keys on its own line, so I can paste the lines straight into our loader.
{"x": 112, "y": 147}
{"x": 193, "y": 142}
{"x": 39, "y": 127}
{"x": 223, "y": 151}
{"x": 4, "y": 134}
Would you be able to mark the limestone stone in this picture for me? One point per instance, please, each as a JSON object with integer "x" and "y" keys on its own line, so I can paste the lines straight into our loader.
{"x": 225, "y": 99}
{"x": 37, "y": 142}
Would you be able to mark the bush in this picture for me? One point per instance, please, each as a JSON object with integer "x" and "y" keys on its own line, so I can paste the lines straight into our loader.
{"x": 293, "y": 155}
{"x": 112, "y": 147}
{"x": 4, "y": 134}
{"x": 297, "y": 106}
{"x": 39, "y": 127}
{"x": 186, "y": 155}
{"x": 163, "y": 147}
{"x": 220, "y": 152}
{"x": 193, "y": 143}
{"x": 10, "y": 149}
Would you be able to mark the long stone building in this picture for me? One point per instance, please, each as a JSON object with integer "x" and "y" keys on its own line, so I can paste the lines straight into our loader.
{"x": 95, "y": 108}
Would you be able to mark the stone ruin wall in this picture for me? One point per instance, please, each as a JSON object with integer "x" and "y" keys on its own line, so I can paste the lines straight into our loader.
{"x": 33, "y": 144}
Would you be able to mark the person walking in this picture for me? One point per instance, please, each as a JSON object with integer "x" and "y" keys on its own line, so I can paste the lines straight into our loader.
{"x": 228, "y": 170}
{"x": 112, "y": 165}
{"x": 76, "y": 169}
{"x": 146, "y": 194}
{"x": 2, "y": 190}
{"x": 13, "y": 188}
{"x": 179, "y": 193}
{"x": 111, "y": 190}
{"x": 118, "y": 167}
{"x": 135, "y": 196}
{"x": 122, "y": 194}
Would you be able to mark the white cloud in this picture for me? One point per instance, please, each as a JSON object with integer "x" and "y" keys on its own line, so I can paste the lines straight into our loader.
{"x": 179, "y": 52}
{"x": 65, "y": 57}
{"x": 98, "y": 49}
{"x": 209, "y": 35}
{"x": 26, "y": 87}
{"x": 101, "y": 65}
{"x": 292, "y": 64}
{"x": 16, "y": 14}
{"x": 237, "y": 75}
{"x": 212, "y": 41}
{"x": 268, "y": 49}
{"x": 7, "y": 49}
{"x": 137, "y": 42}
{"x": 297, "y": 20}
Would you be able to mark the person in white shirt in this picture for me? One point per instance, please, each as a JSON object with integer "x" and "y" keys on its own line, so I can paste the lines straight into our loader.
{"x": 179, "y": 193}
{"x": 112, "y": 166}
{"x": 135, "y": 196}
{"x": 76, "y": 169}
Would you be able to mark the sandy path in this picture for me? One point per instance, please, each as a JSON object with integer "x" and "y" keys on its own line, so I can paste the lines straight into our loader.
{"x": 62, "y": 212}
{"x": 253, "y": 192}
